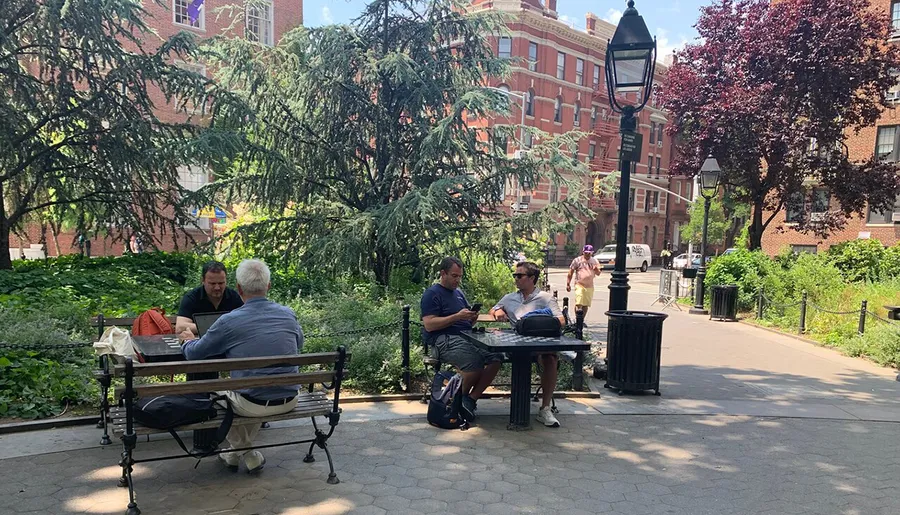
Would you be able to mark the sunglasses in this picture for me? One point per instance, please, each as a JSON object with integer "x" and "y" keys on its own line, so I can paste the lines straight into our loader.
{"x": 517, "y": 276}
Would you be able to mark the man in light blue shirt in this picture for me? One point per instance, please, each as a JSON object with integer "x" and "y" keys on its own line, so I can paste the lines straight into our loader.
{"x": 258, "y": 328}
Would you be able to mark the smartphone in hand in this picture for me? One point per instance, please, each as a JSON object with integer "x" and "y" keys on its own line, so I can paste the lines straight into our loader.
{"x": 476, "y": 307}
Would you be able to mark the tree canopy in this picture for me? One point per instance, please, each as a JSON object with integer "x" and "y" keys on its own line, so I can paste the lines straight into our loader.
{"x": 80, "y": 84}
{"x": 368, "y": 147}
{"x": 772, "y": 90}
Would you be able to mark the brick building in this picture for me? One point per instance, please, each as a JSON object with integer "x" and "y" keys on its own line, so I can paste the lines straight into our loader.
{"x": 265, "y": 23}
{"x": 884, "y": 139}
{"x": 562, "y": 76}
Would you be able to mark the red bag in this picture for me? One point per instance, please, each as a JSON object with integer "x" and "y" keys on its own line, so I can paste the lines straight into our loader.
{"x": 151, "y": 322}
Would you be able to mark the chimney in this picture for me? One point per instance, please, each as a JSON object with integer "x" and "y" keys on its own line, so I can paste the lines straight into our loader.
{"x": 590, "y": 21}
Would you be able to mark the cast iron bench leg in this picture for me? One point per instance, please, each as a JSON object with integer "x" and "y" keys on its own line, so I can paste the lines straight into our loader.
{"x": 520, "y": 398}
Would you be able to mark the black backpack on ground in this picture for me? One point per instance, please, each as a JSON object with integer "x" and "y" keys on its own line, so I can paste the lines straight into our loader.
{"x": 444, "y": 407}
{"x": 172, "y": 411}
{"x": 539, "y": 325}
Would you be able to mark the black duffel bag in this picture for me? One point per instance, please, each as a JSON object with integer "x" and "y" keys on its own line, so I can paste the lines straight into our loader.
{"x": 539, "y": 325}
{"x": 172, "y": 411}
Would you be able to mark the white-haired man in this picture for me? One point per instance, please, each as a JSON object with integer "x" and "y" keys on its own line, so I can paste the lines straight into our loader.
{"x": 258, "y": 328}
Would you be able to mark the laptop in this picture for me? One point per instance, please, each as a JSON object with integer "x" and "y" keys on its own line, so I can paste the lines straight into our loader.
{"x": 204, "y": 321}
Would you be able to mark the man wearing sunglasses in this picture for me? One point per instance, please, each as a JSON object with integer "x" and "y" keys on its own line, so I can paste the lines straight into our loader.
{"x": 445, "y": 314}
{"x": 513, "y": 306}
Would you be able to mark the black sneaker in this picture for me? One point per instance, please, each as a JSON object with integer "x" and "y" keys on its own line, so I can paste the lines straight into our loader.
{"x": 469, "y": 410}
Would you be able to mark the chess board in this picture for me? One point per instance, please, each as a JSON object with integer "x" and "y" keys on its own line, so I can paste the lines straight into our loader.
{"x": 508, "y": 341}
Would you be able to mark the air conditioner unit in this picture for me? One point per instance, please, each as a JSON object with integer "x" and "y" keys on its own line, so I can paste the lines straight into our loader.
{"x": 654, "y": 210}
{"x": 517, "y": 154}
{"x": 659, "y": 144}
{"x": 816, "y": 217}
{"x": 895, "y": 217}
{"x": 892, "y": 96}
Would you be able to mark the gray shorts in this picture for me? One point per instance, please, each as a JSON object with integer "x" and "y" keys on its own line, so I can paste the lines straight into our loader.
{"x": 464, "y": 355}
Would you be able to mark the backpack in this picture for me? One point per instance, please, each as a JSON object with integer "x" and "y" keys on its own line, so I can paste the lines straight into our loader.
{"x": 446, "y": 401}
{"x": 173, "y": 411}
{"x": 152, "y": 322}
{"x": 539, "y": 325}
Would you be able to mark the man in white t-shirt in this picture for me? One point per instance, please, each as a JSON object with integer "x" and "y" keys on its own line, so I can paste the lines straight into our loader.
{"x": 513, "y": 306}
{"x": 584, "y": 268}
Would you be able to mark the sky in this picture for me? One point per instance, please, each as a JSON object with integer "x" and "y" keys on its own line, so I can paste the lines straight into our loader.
{"x": 671, "y": 21}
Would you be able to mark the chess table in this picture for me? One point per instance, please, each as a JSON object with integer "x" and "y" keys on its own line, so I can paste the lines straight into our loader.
{"x": 520, "y": 349}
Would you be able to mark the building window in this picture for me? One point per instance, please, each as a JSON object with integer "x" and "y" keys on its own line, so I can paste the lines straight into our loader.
{"x": 260, "y": 23}
{"x": 554, "y": 192}
{"x": 532, "y": 56}
{"x": 527, "y": 140}
{"x": 895, "y": 16}
{"x": 799, "y": 249}
{"x": 653, "y": 235}
{"x": 592, "y": 151}
{"x": 652, "y": 133}
{"x": 630, "y": 238}
{"x": 649, "y": 164}
{"x": 659, "y": 134}
{"x": 646, "y": 237}
{"x": 504, "y": 47}
{"x": 579, "y": 71}
{"x": 794, "y": 208}
{"x": 596, "y": 76}
{"x": 576, "y": 119}
{"x": 529, "y": 103}
{"x": 557, "y": 110}
{"x": 182, "y": 15}
{"x": 658, "y": 163}
{"x": 656, "y": 200}
{"x": 593, "y": 115}
{"x": 646, "y": 202}
{"x": 560, "y": 66}
{"x": 886, "y": 144}
{"x": 631, "y": 196}
{"x": 884, "y": 217}
{"x": 820, "y": 198}
{"x": 678, "y": 192}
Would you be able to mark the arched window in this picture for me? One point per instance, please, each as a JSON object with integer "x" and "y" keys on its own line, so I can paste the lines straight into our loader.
{"x": 630, "y": 234}
{"x": 593, "y": 115}
{"x": 529, "y": 103}
{"x": 646, "y": 235}
{"x": 577, "y": 118}
{"x": 653, "y": 235}
{"x": 557, "y": 110}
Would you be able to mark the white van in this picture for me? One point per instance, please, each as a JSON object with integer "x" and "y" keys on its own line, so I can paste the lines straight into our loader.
{"x": 637, "y": 255}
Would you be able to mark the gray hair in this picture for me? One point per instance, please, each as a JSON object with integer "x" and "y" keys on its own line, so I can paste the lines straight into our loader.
{"x": 253, "y": 277}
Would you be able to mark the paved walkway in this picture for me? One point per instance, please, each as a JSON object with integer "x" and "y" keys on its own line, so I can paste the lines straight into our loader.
{"x": 749, "y": 422}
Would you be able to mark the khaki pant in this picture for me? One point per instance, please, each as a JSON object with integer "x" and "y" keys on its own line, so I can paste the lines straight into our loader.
{"x": 242, "y": 435}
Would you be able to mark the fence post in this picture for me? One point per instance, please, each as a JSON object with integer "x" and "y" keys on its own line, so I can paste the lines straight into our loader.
{"x": 862, "y": 317}
{"x": 578, "y": 364}
{"x": 803, "y": 313}
{"x": 760, "y": 305}
{"x": 555, "y": 294}
{"x": 404, "y": 343}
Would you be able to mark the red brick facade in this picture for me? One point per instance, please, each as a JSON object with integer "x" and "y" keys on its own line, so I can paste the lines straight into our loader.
{"x": 285, "y": 15}
{"x": 780, "y": 233}
{"x": 574, "y": 84}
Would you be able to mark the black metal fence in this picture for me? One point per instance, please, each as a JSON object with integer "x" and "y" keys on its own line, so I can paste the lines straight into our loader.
{"x": 862, "y": 314}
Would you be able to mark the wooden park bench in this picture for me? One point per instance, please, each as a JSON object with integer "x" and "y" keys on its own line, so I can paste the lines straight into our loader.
{"x": 311, "y": 403}
{"x": 101, "y": 323}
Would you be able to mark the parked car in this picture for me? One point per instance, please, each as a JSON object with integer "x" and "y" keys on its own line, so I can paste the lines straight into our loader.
{"x": 637, "y": 255}
{"x": 681, "y": 260}
{"x": 729, "y": 251}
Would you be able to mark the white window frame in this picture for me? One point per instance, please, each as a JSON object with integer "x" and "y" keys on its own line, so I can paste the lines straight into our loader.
{"x": 579, "y": 71}
{"x": 576, "y": 117}
{"x": 532, "y": 59}
{"x": 500, "y": 41}
{"x": 267, "y": 38}
{"x": 182, "y": 11}
{"x": 561, "y": 65}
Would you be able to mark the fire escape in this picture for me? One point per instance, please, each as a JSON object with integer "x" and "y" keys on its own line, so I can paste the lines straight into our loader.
{"x": 606, "y": 133}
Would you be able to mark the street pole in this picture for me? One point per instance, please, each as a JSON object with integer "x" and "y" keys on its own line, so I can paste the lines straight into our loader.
{"x": 618, "y": 284}
{"x": 701, "y": 272}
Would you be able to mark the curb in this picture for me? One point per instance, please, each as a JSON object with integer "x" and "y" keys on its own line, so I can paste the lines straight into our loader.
{"x": 782, "y": 333}
{"x": 37, "y": 425}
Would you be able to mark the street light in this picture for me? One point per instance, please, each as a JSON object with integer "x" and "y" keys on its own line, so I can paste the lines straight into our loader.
{"x": 521, "y": 96}
{"x": 630, "y": 64}
{"x": 709, "y": 186}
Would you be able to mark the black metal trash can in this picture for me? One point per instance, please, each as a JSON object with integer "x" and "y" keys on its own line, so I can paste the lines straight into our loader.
{"x": 724, "y": 301}
{"x": 634, "y": 349}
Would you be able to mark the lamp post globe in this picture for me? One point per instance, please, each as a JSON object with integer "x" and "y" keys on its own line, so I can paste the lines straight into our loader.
{"x": 630, "y": 65}
{"x": 709, "y": 186}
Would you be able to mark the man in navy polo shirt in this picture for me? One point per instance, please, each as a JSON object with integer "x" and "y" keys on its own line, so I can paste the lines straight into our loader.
{"x": 445, "y": 314}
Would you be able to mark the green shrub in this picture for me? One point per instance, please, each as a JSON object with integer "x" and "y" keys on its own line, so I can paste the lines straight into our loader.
{"x": 858, "y": 260}
{"x": 816, "y": 275}
{"x": 750, "y": 271}
{"x": 890, "y": 263}
{"x": 880, "y": 343}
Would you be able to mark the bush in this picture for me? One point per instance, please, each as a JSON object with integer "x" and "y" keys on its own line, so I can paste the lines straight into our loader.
{"x": 816, "y": 275}
{"x": 858, "y": 260}
{"x": 750, "y": 271}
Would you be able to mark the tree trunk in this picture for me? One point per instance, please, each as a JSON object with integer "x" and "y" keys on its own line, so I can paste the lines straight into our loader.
{"x": 54, "y": 231}
{"x": 756, "y": 228}
{"x": 382, "y": 265}
{"x": 5, "y": 261}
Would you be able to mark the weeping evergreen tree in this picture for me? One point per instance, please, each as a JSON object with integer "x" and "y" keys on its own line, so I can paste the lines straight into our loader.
{"x": 368, "y": 148}
{"x": 79, "y": 130}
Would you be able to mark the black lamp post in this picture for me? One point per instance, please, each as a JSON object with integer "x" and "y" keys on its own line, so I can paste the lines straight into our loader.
{"x": 630, "y": 64}
{"x": 709, "y": 186}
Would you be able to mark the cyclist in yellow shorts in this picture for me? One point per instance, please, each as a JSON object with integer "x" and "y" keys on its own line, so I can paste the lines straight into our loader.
{"x": 584, "y": 268}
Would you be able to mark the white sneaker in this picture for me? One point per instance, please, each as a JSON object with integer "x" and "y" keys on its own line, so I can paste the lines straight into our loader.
{"x": 546, "y": 417}
{"x": 230, "y": 459}
{"x": 255, "y": 461}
